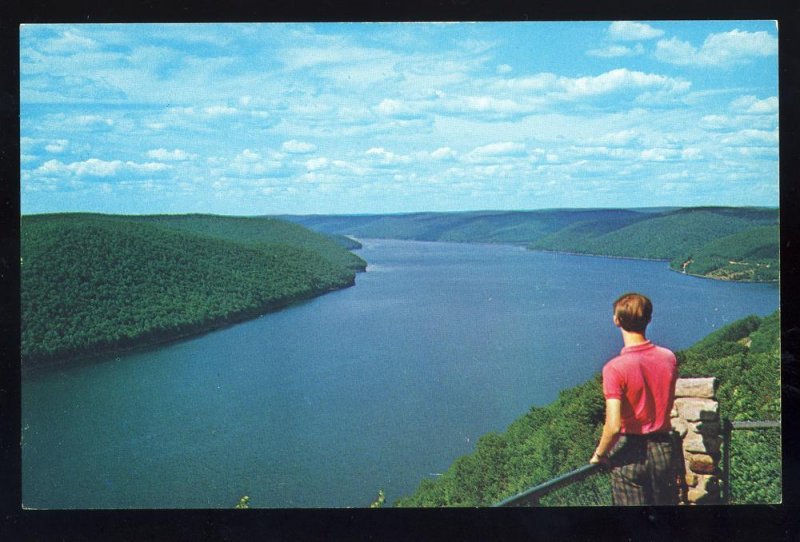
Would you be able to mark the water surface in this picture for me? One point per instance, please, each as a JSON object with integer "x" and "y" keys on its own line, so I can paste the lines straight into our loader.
{"x": 374, "y": 387}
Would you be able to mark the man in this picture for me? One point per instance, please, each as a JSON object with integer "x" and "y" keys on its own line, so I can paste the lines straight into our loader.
{"x": 639, "y": 389}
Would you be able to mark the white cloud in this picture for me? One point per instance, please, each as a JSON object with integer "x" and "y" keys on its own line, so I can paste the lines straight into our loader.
{"x": 751, "y": 104}
{"x": 387, "y": 157}
{"x": 616, "y": 80}
{"x": 176, "y": 154}
{"x": 504, "y": 68}
{"x": 614, "y": 51}
{"x": 147, "y": 167}
{"x": 691, "y": 153}
{"x": 721, "y": 49}
{"x": 618, "y": 138}
{"x": 95, "y": 167}
{"x": 89, "y": 120}
{"x": 397, "y": 109}
{"x": 298, "y": 147}
{"x": 494, "y": 150}
{"x": 659, "y": 154}
{"x": 632, "y": 31}
{"x": 216, "y": 110}
{"x": 57, "y": 146}
{"x": 443, "y": 153}
{"x": 70, "y": 41}
{"x": 715, "y": 122}
{"x": 752, "y": 137}
{"x": 247, "y": 156}
{"x": 316, "y": 163}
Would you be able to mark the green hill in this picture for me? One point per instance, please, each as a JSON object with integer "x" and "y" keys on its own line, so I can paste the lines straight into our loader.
{"x": 560, "y": 437}
{"x": 664, "y": 236}
{"x": 94, "y": 283}
{"x": 470, "y": 227}
{"x": 751, "y": 255}
{"x": 676, "y": 235}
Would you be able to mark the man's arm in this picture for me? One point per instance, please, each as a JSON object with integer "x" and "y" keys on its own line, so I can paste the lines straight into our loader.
{"x": 610, "y": 431}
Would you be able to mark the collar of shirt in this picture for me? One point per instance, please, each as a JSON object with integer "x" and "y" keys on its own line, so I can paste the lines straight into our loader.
{"x": 637, "y": 347}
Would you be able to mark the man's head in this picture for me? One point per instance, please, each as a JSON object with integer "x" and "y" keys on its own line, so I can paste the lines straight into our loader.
{"x": 632, "y": 312}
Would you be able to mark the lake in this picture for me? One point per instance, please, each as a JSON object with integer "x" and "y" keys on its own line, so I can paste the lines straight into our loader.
{"x": 373, "y": 387}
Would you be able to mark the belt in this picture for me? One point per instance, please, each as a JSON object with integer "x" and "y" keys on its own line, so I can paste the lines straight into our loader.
{"x": 654, "y": 437}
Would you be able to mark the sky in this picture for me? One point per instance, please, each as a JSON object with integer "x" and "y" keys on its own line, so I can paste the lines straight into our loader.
{"x": 343, "y": 118}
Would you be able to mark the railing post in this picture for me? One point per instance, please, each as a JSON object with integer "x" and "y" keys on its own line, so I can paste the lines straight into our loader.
{"x": 727, "y": 430}
{"x": 696, "y": 419}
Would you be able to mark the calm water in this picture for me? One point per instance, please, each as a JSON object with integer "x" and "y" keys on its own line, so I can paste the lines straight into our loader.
{"x": 373, "y": 387}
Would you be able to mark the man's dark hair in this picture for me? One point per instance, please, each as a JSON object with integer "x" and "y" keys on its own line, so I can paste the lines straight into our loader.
{"x": 633, "y": 311}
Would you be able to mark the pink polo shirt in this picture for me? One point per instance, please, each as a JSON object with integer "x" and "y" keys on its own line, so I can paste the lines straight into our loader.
{"x": 643, "y": 378}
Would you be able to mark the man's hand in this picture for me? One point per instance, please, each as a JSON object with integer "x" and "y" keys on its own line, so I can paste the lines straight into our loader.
{"x": 596, "y": 459}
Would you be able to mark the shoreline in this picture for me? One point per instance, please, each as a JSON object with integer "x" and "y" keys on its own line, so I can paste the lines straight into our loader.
{"x": 655, "y": 260}
{"x": 33, "y": 366}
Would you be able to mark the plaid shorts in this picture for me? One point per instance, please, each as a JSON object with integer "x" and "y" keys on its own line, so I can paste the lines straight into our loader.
{"x": 645, "y": 469}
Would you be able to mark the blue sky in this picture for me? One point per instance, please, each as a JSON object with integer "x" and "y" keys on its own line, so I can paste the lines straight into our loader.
{"x": 248, "y": 119}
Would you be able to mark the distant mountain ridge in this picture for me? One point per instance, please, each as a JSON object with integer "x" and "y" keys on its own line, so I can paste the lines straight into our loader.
{"x": 679, "y": 235}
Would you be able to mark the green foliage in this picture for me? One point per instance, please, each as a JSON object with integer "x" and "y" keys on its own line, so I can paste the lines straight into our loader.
{"x": 711, "y": 237}
{"x": 750, "y": 255}
{"x": 663, "y": 236}
{"x": 474, "y": 226}
{"x": 243, "y": 503}
{"x": 755, "y": 466}
{"x": 557, "y": 438}
{"x": 378, "y": 503}
{"x": 544, "y": 443}
{"x": 92, "y": 283}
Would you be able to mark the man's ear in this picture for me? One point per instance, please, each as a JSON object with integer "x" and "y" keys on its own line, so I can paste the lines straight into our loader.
{"x": 616, "y": 320}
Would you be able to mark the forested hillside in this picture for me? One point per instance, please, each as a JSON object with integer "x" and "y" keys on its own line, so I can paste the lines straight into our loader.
{"x": 751, "y": 255}
{"x": 697, "y": 237}
{"x": 560, "y": 437}
{"x": 95, "y": 283}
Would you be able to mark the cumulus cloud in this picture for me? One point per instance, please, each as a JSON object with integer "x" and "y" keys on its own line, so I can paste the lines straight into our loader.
{"x": 316, "y": 163}
{"x": 632, "y": 31}
{"x": 752, "y": 137}
{"x": 722, "y": 49}
{"x": 614, "y": 51}
{"x": 618, "y": 138}
{"x": 659, "y": 154}
{"x": 443, "y": 153}
{"x": 174, "y": 155}
{"x": 752, "y": 105}
{"x": 95, "y": 167}
{"x": 494, "y": 151}
{"x": 216, "y": 110}
{"x": 57, "y": 146}
{"x": 387, "y": 157}
{"x": 397, "y": 109}
{"x": 294, "y": 146}
{"x": 617, "y": 80}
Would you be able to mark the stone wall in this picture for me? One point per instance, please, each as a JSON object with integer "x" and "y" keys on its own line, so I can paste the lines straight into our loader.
{"x": 695, "y": 417}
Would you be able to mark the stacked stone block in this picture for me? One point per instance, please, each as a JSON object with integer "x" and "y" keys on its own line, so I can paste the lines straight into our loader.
{"x": 695, "y": 417}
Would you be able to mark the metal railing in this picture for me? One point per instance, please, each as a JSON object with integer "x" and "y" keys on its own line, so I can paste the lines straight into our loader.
{"x": 728, "y": 427}
{"x": 533, "y": 495}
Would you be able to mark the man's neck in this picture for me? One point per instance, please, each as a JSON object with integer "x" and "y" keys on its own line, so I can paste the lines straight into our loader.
{"x": 632, "y": 338}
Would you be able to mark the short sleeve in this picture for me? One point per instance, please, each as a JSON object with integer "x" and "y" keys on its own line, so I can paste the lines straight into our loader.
{"x": 612, "y": 383}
